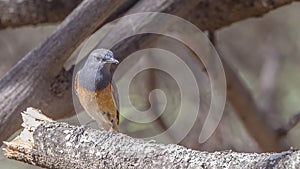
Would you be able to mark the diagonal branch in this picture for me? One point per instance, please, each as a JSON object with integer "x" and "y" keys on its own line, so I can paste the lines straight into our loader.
{"x": 246, "y": 108}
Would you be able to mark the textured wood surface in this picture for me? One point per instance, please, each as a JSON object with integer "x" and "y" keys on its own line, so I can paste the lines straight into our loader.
{"x": 59, "y": 145}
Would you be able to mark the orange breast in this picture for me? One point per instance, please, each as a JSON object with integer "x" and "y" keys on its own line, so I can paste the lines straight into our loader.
{"x": 99, "y": 104}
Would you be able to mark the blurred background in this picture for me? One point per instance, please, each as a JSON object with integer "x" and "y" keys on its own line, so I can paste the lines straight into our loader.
{"x": 264, "y": 51}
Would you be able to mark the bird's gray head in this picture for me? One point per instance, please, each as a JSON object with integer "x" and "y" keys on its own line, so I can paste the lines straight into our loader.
{"x": 97, "y": 69}
{"x": 102, "y": 56}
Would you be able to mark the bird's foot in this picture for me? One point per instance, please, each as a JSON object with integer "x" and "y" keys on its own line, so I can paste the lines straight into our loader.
{"x": 110, "y": 131}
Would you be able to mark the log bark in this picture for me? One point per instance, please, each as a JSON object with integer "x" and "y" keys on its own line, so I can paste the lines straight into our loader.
{"x": 14, "y": 13}
{"x": 226, "y": 12}
{"x": 58, "y": 145}
{"x": 38, "y": 79}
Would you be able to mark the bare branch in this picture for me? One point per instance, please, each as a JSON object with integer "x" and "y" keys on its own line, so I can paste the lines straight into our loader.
{"x": 14, "y": 13}
{"x": 59, "y": 145}
{"x": 226, "y": 12}
{"x": 251, "y": 116}
{"x": 267, "y": 80}
{"x": 249, "y": 112}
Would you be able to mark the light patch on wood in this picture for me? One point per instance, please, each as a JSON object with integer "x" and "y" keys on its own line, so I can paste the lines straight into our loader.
{"x": 32, "y": 118}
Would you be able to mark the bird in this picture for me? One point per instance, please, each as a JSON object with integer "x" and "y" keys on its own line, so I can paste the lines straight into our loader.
{"x": 96, "y": 91}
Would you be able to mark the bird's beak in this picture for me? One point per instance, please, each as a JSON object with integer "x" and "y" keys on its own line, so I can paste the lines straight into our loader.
{"x": 112, "y": 60}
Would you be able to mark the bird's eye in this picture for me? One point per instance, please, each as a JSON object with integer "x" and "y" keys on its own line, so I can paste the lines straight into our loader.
{"x": 98, "y": 59}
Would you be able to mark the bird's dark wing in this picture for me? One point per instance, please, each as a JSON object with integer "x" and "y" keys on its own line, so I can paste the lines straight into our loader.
{"x": 76, "y": 82}
{"x": 115, "y": 97}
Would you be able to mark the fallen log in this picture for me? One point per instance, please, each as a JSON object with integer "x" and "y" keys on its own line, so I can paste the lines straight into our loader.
{"x": 50, "y": 144}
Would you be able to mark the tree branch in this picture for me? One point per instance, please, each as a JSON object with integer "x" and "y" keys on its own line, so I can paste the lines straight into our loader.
{"x": 249, "y": 112}
{"x": 58, "y": 145}
{"x": 14, "y": 13}
{"x": 226, "y": 12}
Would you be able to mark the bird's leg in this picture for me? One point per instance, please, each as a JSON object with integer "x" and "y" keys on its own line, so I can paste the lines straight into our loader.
{"x": 107, "y": 134}
{"x": 111, "y": 130}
